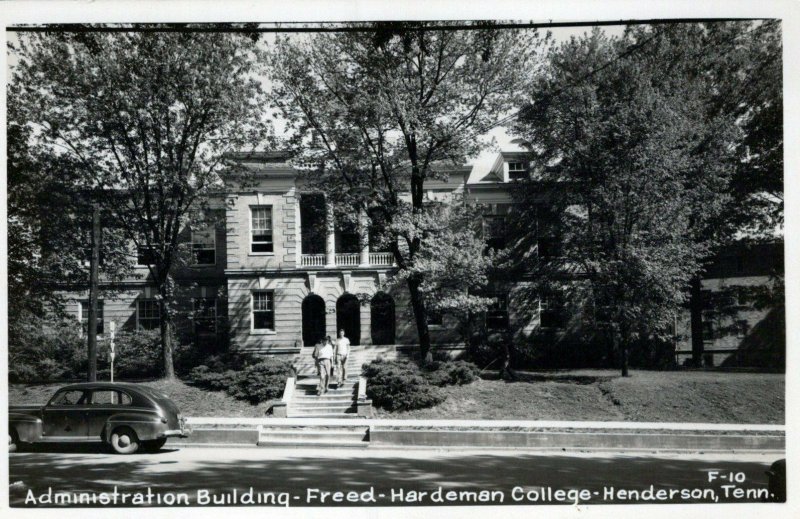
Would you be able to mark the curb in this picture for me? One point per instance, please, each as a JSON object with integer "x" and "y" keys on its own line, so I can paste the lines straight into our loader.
{"x": 528, "y": 436}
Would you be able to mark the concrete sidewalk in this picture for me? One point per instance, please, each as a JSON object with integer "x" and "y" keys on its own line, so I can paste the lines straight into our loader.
{"x": 464, "y": 434}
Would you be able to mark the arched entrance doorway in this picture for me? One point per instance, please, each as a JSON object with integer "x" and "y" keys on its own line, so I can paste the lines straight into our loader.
{"x": 313, "y": 319}
{"x": 382, "y": 319}
{"x": 348, "y": 317}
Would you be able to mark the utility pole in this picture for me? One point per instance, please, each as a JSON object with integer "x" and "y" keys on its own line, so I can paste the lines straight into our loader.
{"x": 92, "y": 325}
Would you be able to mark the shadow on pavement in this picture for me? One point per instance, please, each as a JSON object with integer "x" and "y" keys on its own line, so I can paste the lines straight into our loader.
{"x": 86, "y": 471}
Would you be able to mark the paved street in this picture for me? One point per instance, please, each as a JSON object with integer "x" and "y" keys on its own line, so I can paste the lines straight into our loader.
{"x": 378, "y": 477}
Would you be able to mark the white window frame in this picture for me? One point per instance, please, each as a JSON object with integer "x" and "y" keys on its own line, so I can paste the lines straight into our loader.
{"x": 253, "y": 328}
{"x": 212, "y": 247}
{"x": 268, "y": 208}
{"x": 138, "y": 317}
{"x": 522, "y": 170}
{"x": 194, "y": 314}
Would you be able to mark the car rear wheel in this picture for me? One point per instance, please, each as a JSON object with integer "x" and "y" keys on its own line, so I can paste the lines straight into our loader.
{"x": 154, "y": 445}
{"x": 124, "y": 441}
{"x": 13, "y": 441}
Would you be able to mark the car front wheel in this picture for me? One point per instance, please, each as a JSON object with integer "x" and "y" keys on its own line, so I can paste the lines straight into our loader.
{"x": 124, "y": 441}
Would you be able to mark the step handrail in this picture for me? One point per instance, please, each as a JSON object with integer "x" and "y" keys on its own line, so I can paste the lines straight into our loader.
{"x": 281, "y": 409}
{"x": 363, "y": 404}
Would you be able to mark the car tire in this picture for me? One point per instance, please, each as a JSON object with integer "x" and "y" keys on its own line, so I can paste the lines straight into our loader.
{"x": 124, "y": 440}
{"x": 154, "y": 445}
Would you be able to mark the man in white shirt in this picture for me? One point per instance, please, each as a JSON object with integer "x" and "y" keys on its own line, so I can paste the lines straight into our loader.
{"x": 342, "y": 351}
{"x": 323, "y": 354}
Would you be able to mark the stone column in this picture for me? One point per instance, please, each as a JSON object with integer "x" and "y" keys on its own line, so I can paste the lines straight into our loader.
{"x": 363, "y": 236}
{"x": 330, "y": 242}
{"x": 298, "y": 232}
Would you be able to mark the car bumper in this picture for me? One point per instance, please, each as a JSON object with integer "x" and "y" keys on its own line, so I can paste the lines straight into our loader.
{"x": 178, "y": 433}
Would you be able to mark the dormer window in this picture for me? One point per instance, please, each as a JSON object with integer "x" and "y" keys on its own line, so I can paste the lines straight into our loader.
{"x": 517, "y": 171}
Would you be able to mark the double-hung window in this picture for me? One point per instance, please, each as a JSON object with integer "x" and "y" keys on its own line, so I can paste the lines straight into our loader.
{"x": 435, "y": 317}
{"x": 517, "y": 171}
{"x": 552, "y": 315}
{"x": 205, "y": 315}
{"x": 497, "y": 313}
{"x": 84, "y": 316}
{"x": 261, "y": 229}
{"x": 494, "y": 231}
{"x": 148, "y": 314}
{"x": 204, "y": 246}
{"x": 263, "y": 310}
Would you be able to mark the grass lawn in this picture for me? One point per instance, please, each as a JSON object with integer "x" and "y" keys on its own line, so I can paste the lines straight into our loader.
{"x": 598, "y": 395}
{"x": 593, "y": 395}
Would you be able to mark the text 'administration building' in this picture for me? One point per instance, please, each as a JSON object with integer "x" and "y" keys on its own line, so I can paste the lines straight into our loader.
{"x": 276, "y": 273}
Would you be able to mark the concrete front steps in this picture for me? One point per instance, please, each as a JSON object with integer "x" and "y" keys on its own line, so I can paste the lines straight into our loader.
{"x": 338, "y": 402}
{"x": 305, "y": 366}
{"x": 294, "y": 436}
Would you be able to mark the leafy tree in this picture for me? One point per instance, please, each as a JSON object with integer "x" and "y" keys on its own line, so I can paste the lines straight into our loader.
{"x": 629, "y": 155}
{"x": 736, "y": 68}
{"x": 49, "y": 240}
{"x": 452, "y": 260}
{"x": 145, "y": 119}
{"x": 391, "y": 106}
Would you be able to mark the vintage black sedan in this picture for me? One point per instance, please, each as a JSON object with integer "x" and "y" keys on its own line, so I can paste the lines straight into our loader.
{"x": 128, "y": 417}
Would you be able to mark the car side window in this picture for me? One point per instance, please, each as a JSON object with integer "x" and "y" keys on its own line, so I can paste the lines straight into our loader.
{"x": 110, "y": 397}
{"x": 71, "y": 397}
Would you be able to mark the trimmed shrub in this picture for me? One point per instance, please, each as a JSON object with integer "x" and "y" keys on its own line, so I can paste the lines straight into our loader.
{"x": 399, "y": 385}
{"x": 204, "y": 377}
{"x": 261, "y": 382}
{"x": 450, "y": 373}
{"x": 243, "y": 377}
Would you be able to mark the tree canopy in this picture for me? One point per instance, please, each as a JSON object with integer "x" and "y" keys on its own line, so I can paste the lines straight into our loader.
{"x": 378, "y": 112}
{"x": 145, "y": 120}
{"x": 638, "y": 168}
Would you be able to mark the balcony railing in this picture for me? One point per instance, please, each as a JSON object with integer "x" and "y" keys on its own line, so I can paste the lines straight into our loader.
{"x": 348, "y": 260}
{"x": 312, "y": 260}
{"x": 383, "y": 259}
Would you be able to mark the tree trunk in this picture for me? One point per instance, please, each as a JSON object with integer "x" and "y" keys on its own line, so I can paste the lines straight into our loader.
{"x": 421, "y": 318}
{"x": 166, "y": 328}
{"x": 506, "y": 373}
{"x": 620, "y": 344}
{"x": 625, "y": 358}
{"x": 696, "y": 311}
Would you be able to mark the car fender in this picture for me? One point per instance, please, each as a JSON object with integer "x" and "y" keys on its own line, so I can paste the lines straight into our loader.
{"x": 147, "y": 426}
{"x": 28, "y": 428}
